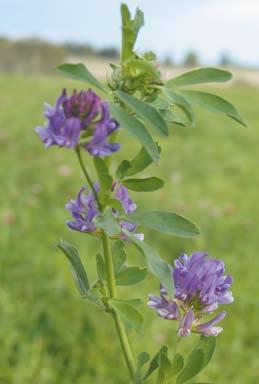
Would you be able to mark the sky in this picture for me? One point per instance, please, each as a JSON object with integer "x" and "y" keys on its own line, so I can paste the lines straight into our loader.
{"x": 172, "y": 27}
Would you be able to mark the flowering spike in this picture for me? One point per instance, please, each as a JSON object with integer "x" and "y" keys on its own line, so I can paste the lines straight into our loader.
{"x": 200, "y": 287}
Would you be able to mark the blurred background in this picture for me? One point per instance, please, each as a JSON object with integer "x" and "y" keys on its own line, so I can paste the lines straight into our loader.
{"x": 48, "y": 335}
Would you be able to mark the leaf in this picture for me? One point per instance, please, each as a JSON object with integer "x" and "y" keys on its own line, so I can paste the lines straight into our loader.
{"x": 214, "y": 103}
{"x": 100, "y": 267}
{"x": 81, "y": 73}
{"x": 141, "y": 161}
{"x": 154, "y": 364}
{"x": 200, "y": 76}
{"x": 78, "y": 271}
{"x": 177, "y": 364}
{"x": 144, "y": 185}
{"x": 107, "y": 223}
{"x": 157, "y": 266}
{"x": 142, "y": 359}
{"x": 103, "y": 175}
{"x": 208, "y": 345}
{"x": 137, "y": 129}
{"x": 145, "y": 112}
{"x": 119, "y": 255}
{"x": 193, "y": 366}
{"x": 164, "y": 221}
{"x": 128, "y": 314}
{"x": 181, "y": 102}
{"x": 122, "y": 169}
{"x": 130, "y": 30}
{"x": 171, "y": 117}
{"x": 131, "y": 276}
{"x": 164, "y": 368}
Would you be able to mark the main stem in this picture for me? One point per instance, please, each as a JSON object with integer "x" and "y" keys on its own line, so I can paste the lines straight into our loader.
{"x": 112, "y": 290}
{"x": 111, "y": 279}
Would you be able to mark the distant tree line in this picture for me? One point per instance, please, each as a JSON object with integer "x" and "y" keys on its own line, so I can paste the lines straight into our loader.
{"x": 37, "y": 56}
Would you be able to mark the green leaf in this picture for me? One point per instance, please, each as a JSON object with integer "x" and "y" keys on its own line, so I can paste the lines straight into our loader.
{"x": 130, "y": 30}
{"x": 177, "y": 364}
{"x": 137, "y": 129}
{"x": 131, "y": 276}
{"x": 200, "y": 76}
{"x": 154, "y": 364}
{"x": 122, "y": 169}
{"x": 181, "y": 102}
{"x": 129, "y": 168}
{"x": 103, "y": 175}
{"x": 164, "y": 221}
{"x": 214, "y": 103}
{"x": 81, "y": 73}
{"x": 119, "y": 255}
{"x": 100, "y": 267}
{"x": 164, "y": 369}
{"x": 157, "y": 266}
{"x": 142, "y": 359}
{"x": 128, "y": 314}
{"x": 144, "y": 185}
{"x": 107, "y": 223}
{"x": 193, "y": 366}
{"x": 78, "y": 271}
{"x": 208, "y": 345}
{"x": 148, "y": 114}
{"x": 171, "y": 117}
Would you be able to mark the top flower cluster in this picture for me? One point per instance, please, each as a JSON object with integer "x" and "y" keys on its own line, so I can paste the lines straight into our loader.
{"x": 82, "y": 117}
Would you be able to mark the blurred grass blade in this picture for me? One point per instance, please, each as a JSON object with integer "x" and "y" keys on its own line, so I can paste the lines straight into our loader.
{"x": 214, "y": 103}
{"x": 200, "y": 76}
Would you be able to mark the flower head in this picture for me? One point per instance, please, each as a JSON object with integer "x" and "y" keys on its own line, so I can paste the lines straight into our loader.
{"x": 200, "y": 287}
{"x": 85, "y": 208}
{"x": 82, "y": 116}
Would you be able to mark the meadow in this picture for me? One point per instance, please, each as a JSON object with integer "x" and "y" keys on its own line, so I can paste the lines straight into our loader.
{"x": 48, "y": 334}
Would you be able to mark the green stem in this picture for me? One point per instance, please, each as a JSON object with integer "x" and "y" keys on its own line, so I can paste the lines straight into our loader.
{"x": 79, "y": 156}
{"x": 112, "y": 290}
{"x": 111, "y": 280}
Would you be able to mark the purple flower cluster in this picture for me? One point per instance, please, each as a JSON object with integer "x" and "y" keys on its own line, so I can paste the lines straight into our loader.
{"x": 85, "y": 208}
{"x": 200, "y": 286}
{"x": 82, "y": 115}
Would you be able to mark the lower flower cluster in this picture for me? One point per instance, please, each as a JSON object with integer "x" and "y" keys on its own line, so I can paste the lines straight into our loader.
{"x": 85, "y": 208}
{"x": 200, "y": 287}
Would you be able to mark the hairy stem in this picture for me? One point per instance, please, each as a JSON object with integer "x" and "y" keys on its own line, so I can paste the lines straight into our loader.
{"x": 111, "y": 279}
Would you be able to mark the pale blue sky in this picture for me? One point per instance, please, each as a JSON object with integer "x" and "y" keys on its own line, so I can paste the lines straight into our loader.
{"x": 172, "y": 26}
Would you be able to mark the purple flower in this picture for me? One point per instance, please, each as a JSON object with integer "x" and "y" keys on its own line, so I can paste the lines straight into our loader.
{"x": 99, "y": 144}
{"x": 83, "y": 209}
{"x": 76, "y": 117}
{"x": 59, "y": 130}
{"x": 200, "y": 287}
{"x": 122, "y": 194}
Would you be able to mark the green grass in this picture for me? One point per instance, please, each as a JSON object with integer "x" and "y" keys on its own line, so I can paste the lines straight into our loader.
{"x": 47, "y": 333}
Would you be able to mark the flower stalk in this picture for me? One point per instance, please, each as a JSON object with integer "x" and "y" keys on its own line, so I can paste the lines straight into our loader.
{"x": 106, "y": 243}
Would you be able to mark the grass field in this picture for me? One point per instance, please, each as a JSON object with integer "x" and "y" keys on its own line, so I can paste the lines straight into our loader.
{"x": 48, "y": 335}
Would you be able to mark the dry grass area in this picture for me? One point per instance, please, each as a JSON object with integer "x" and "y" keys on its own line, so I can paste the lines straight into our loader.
{"x": 101, "y": 69}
